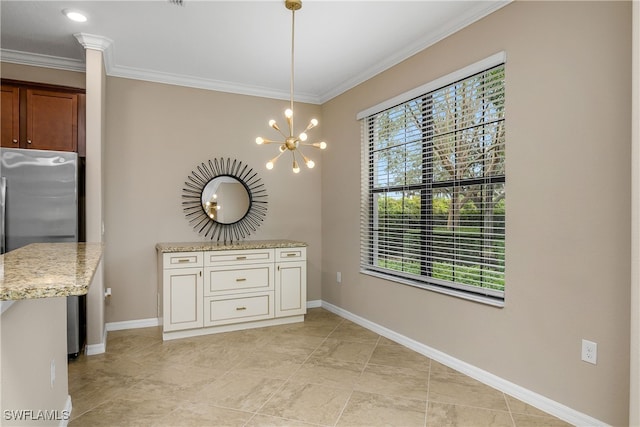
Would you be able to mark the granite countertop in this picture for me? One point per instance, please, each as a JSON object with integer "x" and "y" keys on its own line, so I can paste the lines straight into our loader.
{"x": 217, "y": 246}
{"x": 42, "y": 270}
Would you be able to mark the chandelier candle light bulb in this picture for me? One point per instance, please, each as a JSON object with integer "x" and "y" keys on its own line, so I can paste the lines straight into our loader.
{"x": 292, "y": 143}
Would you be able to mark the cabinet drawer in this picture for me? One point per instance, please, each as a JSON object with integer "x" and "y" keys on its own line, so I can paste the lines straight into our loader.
{"x": 253, "y": 256}
{"x": 241, "y": 278}
{"x": 291, "y": 254}
{"x": 182, "y": 259}
{"x": 220, "y": 311}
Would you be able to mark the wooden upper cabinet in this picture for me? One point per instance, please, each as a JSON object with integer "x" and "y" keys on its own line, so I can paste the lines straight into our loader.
{"x": 42, "y": 117}
{"x": 52, "y": 120}
{"x": 10, "y": 116}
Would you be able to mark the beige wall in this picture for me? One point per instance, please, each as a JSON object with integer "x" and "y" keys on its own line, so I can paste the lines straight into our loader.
{"x": 156, "y": 135}
{"x": 568, "y": 206}
{"x": 42, "y": 75}
{"x": 33, "y": 342}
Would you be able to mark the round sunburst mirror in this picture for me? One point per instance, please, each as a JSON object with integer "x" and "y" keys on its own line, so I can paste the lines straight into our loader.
{"x": 224, "y": 200}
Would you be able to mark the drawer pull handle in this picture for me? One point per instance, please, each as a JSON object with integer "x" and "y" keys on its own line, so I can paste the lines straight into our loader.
{"x": 241, "y": 279}
{"x": 240, "y": 308}
{"x": 183, "y": 260}
{"x": 241, "y": 258}
{"x": 292, "y": 254}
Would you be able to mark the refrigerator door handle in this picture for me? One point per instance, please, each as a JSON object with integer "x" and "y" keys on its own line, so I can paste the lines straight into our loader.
{"x": 3, "y": 201}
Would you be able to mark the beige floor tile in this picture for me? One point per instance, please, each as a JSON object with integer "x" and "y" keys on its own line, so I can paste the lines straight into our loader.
{"x": 366, "y": 409}
{"x": 349, "y": 331}
{"x": 183, "y": 375}
{"x": 392, "y": 381}
{"x": 439, "y": 368}
{"x": 524, "y": 420}
{"x": 141, "y": 404}
{"x": 300, "y": 345}
{"x": 309, "y": 403}
{"x": 400, "y": 357}
{"x": 203, "y": 415}
{"x": 270, "y": 364}
{"x": 103, "y": 415}
{"x": 218, "y": 357}
{"x": 90, "y": 392}
{"x": 268, "y": 421}
{"x": 239, "y": 391}
{"x": 519, "y": 407}
{"x": 328, "y": 372}
{"x": 318, "y": 329}
{"x": 85, "y": 371}
{"x": 447, "y": 415}
{"x": 463, "y": 390}
{"x": 246, "y": 339}
{"x": 386, "y": 341}
{"x": 346, "y": 351}
{"x": 320, "y": 314}
{"x": 121, "y": 343}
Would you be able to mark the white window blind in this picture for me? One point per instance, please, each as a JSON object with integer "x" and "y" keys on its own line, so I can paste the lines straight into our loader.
{"x": 433, "y": 188}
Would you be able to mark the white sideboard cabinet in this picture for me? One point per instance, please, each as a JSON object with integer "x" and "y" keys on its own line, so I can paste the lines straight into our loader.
{"x": 209, "y": 288}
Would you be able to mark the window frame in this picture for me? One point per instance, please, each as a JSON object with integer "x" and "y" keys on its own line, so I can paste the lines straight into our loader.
{"x": 426, "y": 188}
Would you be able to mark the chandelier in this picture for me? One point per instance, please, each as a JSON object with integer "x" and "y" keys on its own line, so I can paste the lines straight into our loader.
{"x": 292, "y": 143}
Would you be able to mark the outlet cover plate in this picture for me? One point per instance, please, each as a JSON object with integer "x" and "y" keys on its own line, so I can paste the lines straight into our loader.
{"x": 589, "y": 351}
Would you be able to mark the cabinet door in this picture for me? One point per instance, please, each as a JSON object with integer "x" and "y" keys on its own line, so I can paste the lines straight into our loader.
{"x": 182, "y": 298}
{"x": 52, "y": 120}
{"x": 10, "y": 112}
{"x": 291, "y": 288}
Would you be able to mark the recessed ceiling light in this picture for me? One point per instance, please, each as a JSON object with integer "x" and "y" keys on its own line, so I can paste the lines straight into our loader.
{"x": 74, "y": 15}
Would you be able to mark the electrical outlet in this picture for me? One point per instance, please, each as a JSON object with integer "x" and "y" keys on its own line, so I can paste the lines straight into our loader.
{"x": 338, "y": 277}
{"x": 589, "y": 351}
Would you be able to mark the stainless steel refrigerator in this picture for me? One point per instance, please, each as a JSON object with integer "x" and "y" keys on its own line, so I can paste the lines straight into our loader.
{"x": 39, "y": 203}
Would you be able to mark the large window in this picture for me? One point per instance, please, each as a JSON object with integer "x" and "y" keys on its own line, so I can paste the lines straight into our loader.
{"x": 433, "y": 207}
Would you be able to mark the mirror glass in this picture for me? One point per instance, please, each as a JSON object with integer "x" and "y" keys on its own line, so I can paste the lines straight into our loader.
{"x": 225, "y": 199}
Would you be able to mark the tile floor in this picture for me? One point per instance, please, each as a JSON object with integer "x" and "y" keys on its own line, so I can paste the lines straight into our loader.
{"x": 326, "y": 371}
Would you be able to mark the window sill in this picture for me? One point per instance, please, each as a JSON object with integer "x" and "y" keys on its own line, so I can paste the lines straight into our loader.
{"x": 482, "y": 299}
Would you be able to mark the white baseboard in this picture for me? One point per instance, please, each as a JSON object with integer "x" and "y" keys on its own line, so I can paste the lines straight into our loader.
{"x": 133, "y": 324}
{"x": 66, "y": 412}
{"x": 314, "y": 304}
{"x": 534, "y": 399}
{"x": 91, "y": 349}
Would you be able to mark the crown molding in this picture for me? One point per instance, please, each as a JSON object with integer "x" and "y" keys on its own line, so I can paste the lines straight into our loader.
{"x": 208, "y": 84}
{"x": 91, "y": 41}
{"x": 103, "y": 44}
{"x": 39, "y": 60}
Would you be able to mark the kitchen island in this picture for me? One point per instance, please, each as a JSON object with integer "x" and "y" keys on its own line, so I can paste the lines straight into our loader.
{"x": 34, "y": 283}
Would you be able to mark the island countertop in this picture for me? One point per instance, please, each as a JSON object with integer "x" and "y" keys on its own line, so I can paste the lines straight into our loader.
{"x": 42, "y": 270}
{"x": 217, "y": 246}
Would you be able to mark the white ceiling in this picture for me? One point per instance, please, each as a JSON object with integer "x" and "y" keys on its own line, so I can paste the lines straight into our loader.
{"x": 237, "y": 46}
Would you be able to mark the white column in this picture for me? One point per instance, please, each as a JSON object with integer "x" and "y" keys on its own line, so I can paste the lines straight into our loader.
{"x": 95, "y": 47}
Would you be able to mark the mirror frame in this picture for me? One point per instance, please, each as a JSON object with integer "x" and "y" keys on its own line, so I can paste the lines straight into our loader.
{"x": 196, "y": 213}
